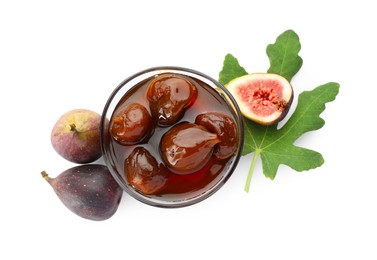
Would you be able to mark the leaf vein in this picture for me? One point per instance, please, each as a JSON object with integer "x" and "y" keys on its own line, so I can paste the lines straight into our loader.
{"x": 294, "y": 124}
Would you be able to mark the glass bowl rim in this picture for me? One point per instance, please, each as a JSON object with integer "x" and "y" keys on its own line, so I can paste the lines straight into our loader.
{"x": 182, "y": 203}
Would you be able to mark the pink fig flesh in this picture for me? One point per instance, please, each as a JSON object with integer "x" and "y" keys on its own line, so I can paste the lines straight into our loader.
{"x": 262, "y": 97}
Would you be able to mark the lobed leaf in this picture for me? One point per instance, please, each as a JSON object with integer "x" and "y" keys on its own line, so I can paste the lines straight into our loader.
{"x": 283, "y": 55}
{"x": 276, "y": 146}
{"x": 231, "y": 69}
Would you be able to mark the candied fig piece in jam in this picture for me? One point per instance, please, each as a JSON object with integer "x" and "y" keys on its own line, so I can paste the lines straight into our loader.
{"x": 143, "y": 171}
{"x": 226, "y": 130}
{"x": 187, "y": 147}
{"x": 169, "y": 96}
{"x": 132, "y": 124}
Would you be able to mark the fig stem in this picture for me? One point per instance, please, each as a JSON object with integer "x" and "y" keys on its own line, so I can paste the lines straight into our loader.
{"x": 251, "y": 169}
{"x": 45, "y": 175}
{"x": 73, "y": 127}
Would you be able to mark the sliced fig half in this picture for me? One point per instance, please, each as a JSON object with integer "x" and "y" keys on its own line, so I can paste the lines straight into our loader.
{"x": 262, "y": 97}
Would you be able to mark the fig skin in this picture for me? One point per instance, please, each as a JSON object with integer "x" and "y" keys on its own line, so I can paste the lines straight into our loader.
{"x": 226, "y": 130}
{"x": 76, "y": 136}
{"x": 187, "y": 147}
{"x": 88, "y": 190}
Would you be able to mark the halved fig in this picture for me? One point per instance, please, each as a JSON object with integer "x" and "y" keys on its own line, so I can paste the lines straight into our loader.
{"x": 169, "y": 95}
{"x": 226, "y": 130}
{"x": 143, "y": 171}
{"x": 187, "y": 147}
{"x": 262, "y": 97}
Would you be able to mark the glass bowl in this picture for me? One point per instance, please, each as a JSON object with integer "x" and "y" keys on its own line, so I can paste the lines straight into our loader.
{"x": 114, "y": 155}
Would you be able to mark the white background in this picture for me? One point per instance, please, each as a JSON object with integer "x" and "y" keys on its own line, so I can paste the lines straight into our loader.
{"x": 59, "y": 55}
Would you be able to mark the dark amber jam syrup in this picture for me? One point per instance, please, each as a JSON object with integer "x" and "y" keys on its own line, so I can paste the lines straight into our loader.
{"x": 208, "y": 100}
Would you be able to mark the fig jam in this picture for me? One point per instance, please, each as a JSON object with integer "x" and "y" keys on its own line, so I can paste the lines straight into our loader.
{"x": 189, "y": 100}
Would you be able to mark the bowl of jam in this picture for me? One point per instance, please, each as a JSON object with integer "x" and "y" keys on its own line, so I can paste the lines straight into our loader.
{"x": 171, "y": 136}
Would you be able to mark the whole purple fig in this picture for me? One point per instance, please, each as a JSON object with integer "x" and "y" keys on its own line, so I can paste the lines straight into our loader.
{"x": 76, "y": 136}
{"x": 88, "y": 190}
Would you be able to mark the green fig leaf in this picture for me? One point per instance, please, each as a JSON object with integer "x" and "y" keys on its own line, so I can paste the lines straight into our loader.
{"x": 283, "y": 55}
{"x": 231, "y": 69}
{"x": 276, "y": 146}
